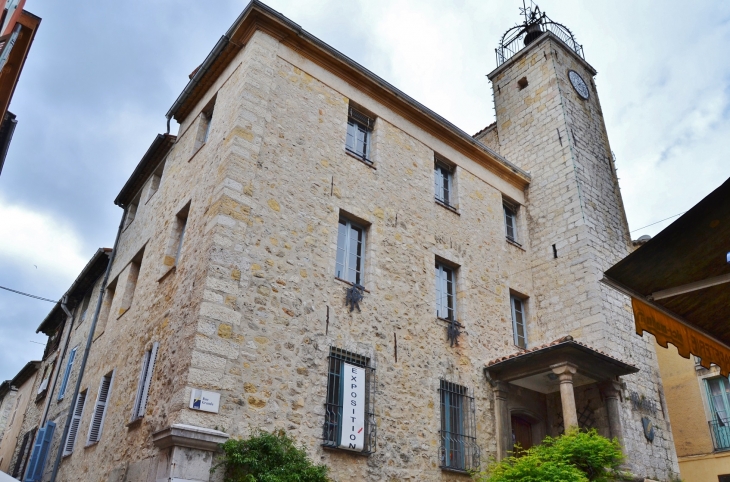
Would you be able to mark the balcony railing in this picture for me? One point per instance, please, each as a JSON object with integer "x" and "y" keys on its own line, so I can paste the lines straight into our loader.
{"x": 720, "y": 430}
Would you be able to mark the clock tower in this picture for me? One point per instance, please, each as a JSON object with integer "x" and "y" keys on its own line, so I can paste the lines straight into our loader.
{"x": 549, "y": 122}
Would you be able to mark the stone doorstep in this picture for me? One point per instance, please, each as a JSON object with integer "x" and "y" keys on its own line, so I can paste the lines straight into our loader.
{"x": 181, "y": 435}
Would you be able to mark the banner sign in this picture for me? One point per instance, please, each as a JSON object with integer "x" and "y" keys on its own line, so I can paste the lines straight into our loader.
{"x": 353, "y": 408}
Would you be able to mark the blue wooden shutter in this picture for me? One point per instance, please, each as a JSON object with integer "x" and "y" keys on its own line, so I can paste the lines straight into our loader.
{"x": 67, "y": 374}
{"x": 40, "y": 453}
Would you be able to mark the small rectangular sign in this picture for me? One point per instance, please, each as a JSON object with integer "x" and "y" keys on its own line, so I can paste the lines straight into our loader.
{"x": 205, "y": 401}
{"x": 353, "y": 408}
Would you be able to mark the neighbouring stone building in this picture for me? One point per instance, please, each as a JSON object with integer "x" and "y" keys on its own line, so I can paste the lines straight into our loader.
{"x": 310, "y": 221}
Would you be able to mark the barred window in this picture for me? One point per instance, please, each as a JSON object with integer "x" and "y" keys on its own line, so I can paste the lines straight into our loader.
{"x": 518, "y": 321}
{"x": 443, "y": 182}
{"x": 445, "y": 292}
{"x": 349, "y": 421}
{"x": 350, "y": 251}
{"x": 458, "y": 450}
{"x": 359, "y": 132}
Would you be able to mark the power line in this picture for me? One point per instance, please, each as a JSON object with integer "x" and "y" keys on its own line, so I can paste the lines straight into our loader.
{"x": 652, "y": 224}
{"x": 29, "y": 295}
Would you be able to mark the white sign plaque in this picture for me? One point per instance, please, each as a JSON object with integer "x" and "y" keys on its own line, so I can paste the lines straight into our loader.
{"x": 205, "y": 401}
{"x": 353, "y": 408}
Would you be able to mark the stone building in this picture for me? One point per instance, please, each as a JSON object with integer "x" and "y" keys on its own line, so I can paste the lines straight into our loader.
{"x": 310, "y": 220}
{"x": 15, "y": 396}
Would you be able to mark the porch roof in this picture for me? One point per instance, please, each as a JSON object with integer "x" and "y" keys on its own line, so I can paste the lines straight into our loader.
{"x": 532, "y": 368}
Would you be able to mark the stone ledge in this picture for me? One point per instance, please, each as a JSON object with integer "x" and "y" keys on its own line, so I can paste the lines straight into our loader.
{"x": 180, "y": 435}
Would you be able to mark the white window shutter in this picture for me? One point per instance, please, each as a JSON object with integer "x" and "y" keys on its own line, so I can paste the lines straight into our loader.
{"x": 75, "y": 422}
{"x": 145, "y": 380}
{"x": 97, "y": 421}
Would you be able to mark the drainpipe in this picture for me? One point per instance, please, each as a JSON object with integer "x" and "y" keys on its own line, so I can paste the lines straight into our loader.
{"x": 52, "y": 388}
{"x": 90, "y": 338}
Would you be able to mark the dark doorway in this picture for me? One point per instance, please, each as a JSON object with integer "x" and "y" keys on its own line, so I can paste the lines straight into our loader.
{"x": 521, "y": 434}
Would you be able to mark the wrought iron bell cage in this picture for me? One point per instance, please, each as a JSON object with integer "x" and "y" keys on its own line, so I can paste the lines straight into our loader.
{"x": 535, "y": 25}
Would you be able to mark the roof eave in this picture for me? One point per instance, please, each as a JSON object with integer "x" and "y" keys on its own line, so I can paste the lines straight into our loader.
{"x": 258, "y": 16}
{"x": 155, "y": 154}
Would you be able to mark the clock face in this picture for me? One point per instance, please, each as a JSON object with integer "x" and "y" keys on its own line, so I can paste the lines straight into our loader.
{"x": 579, "y": 84}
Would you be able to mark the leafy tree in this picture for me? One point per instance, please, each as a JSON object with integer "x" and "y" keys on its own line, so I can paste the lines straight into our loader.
{"x": 269, "y": 457}
{"x": 577, "y": 456}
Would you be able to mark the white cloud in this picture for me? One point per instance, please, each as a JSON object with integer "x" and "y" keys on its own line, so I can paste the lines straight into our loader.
{"x": 34, "y": 241}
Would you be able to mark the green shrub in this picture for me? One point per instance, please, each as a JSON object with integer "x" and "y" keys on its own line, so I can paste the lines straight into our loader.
{"x": 269, "y": 457}
{"x": 577, "y": 456}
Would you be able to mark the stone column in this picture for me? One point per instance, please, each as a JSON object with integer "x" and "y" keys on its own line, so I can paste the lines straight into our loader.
{"x": 610, "y": 390}
{"x": 502, "y": 419}
{"x": 565, "y": 372}
{"x": 186, "y": 452}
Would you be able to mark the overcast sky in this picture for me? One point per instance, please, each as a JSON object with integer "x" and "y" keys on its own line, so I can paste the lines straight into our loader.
{"x": 101, "y": 76}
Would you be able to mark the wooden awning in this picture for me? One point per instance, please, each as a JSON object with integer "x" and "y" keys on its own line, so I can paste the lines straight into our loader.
{"x": 679, "y": 282}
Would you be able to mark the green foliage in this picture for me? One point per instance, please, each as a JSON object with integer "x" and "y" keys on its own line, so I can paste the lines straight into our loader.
{"x": 269, "y": 457}
{"x": 577, "y": 456}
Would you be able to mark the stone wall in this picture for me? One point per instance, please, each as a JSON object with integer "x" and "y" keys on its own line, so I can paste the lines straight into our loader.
{"x": 575, "y": 212}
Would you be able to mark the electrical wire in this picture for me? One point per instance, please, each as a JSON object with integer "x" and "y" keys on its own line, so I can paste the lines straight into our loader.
{"x": 652, "y": 224}
{"x": 29, "y": 295}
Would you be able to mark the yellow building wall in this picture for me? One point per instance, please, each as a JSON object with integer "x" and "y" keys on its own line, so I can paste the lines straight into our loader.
{"x": 692, "y": 439}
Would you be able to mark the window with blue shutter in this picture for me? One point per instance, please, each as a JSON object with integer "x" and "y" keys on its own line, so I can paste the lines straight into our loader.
{"x": 67, "y": 373}
{"x": 40, "y": 453}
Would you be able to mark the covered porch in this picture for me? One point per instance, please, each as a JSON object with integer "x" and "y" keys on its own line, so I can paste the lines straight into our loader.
{"x": 552, "y": 387}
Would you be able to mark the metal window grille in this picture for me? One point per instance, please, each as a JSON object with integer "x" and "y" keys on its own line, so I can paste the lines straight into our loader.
{"x": 359, "y": 130}
{"x": 445, "y": 292}
{"x": 510, "y": 221}
{"x": 458, "y": 449}
{"x": 518, "y": 322}
{"x": 443, "y": 183}
{"x": 332, "y": 428}
{"x": 350, "y": 251}
{"x": 718, "y": 392}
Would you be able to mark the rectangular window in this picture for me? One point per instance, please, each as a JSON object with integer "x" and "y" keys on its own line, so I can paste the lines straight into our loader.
{"x": 67, "y": 373}
{"x": 182, "y": 222}
{"x": 518, "y": 321}
{"x": 359, "y": 134}
{"x": 84, "y": 307}
{"x": 350, "y": 251}
{"x": 145, "y": 379}
{"x": 73, "y": 430}
{"x": 445, "y": 292}
{"x": 718, "y": 393}
{"x": 206, "y": 119}
{"x": 24, "y": 455}
{"x": 131, "y": 213}
{"x": 41, "y": 447}
{"x": 458, "y": 450}
{"x": 349, "y": 421}
{"x": 156, "y": 179}
{"x": 106, "y": 309}
{"x": 443, "y": 182}
{"x": 510, "y": 221}
{"x": 97, "y": 420}
{"x": 130, "y": 276}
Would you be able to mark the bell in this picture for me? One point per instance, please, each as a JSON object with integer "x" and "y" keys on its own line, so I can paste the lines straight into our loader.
{"x": 533, "y": 32}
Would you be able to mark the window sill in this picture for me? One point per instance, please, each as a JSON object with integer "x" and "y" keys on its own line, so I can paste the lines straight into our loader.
{"x": 349, "y": 283}
{"x": 92, "y": 444}
{"x": 135, "y": 423}
{"x": 446, "y": 320}
{"x": 457, "y": 471}
{"x": 41, "y": 396}
{"x": 195, "y": 153}
{"x": 364, "y": 453}
{"x": 359, "y": 158}
{"x": 448, "y": 206}
{"x": 515, "y": 244}
{"x": 167, "y": 273}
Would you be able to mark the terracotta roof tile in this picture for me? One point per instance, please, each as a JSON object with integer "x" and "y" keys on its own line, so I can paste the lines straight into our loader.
{"x": 564, "y": 339}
